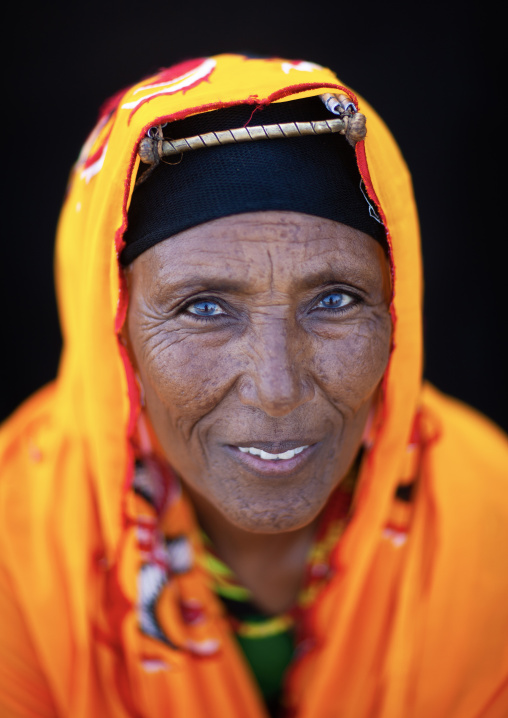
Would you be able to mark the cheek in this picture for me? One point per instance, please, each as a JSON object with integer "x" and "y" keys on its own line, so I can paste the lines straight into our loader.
{"x": 350, "y": 368}
{"x": 185, "y": 380}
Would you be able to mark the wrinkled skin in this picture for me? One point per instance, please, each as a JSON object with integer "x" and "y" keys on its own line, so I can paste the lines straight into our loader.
{"x": 267, "y": 327}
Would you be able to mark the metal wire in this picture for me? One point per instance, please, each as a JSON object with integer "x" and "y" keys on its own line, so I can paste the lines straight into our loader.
{"x": 153, "y": 149}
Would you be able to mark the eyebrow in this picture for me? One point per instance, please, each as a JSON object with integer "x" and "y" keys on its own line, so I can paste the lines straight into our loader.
{"x": 199, "y": 283}
{"x": 327, "y": 277}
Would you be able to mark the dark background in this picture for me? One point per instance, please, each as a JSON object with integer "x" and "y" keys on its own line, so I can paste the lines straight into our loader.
{"x": 432, "y": 71}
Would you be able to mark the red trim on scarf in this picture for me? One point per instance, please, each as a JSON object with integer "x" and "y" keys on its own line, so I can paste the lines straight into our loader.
{"x": 250, "y": 100}
{"x": 110, "y": 105}
{"x": 91, "y": 159}
{"x": 168, "y": 74}
{"x": 361, "y": 159}
{"x": 363, "y": 167}
{"x": 198, "y": 109}
{"x": 303, "y": 87}
{"x": 397, "y": 528}
{"x": 197, "y": 82}
{"x": 121, "y": 315}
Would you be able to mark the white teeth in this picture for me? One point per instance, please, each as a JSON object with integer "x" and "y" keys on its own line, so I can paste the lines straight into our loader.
{"x": 271, "y": 457}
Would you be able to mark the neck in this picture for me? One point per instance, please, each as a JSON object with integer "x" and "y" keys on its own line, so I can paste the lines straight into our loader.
{"x": 270, "y": 566}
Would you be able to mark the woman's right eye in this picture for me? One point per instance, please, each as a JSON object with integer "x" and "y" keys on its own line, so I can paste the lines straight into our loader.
{"x": 205, "y": 308}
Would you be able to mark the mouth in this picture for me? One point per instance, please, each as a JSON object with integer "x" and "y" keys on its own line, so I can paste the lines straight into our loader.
{"x": 267, "y": 456}
{"x": 271, "y": 458}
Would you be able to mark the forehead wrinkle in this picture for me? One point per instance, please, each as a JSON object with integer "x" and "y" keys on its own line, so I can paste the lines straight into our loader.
{"x": 270, "y": 260}
{"x": 239, "y": 263}
{"x": 246, "y": 277}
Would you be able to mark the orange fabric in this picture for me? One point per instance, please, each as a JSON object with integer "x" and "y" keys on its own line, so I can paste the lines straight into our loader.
{"x": 413, "y": 621}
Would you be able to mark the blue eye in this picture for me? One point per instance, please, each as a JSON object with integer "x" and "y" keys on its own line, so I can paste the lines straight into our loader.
{"x": 335, "y": 300}
{"x": 205, "y": 308}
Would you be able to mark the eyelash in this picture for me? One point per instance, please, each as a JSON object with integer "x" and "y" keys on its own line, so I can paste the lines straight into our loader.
{"x": 202, "y": 317}
{"x": 356, "y": 299}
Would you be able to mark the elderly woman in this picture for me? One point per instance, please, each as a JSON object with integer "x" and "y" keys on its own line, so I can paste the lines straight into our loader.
{"x": 238, "y": 499}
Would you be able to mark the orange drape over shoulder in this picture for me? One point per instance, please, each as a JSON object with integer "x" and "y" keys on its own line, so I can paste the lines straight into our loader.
{"x": 413, "y": 622}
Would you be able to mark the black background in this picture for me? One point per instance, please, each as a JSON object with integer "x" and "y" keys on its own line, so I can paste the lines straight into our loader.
{"x": 434, "y": 72}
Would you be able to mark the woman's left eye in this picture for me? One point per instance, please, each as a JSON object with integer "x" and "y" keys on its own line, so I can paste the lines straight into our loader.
{"x": 205, "y": 308}
{"x": 335, "y": 300}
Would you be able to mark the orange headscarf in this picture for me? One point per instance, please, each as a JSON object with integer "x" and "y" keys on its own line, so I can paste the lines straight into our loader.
{"x": 413, "y": 621}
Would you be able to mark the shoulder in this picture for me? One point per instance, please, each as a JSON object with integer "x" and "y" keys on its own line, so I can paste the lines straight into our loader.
{"x": 464, "y": 477}
{"x": 24, "y": 439}
{"x": 29, "y": 443}
{"x": 27, "y": 420}
{"x": 24, "y": 436}
{"x": 463, "y": 438}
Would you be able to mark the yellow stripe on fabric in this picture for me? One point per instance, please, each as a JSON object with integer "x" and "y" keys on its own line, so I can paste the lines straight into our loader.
{"x": 224, "y": 580}
{"x": 216, "y": 567}
{"x": 320, "y": 551}
{"x": 238, "y": 593}
{"x": 268, "y": 627}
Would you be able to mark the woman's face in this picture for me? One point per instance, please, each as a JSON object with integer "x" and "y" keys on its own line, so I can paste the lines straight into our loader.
{"x": 254, "y": 336}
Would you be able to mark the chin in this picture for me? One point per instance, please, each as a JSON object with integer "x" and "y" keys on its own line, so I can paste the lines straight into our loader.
{"x": 275, "y": 517}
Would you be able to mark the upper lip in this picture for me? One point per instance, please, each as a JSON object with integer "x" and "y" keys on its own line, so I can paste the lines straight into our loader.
{"x": 274, "y": 447}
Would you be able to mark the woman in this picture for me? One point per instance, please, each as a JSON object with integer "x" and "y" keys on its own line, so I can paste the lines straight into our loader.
{"x": 238, "y": 499}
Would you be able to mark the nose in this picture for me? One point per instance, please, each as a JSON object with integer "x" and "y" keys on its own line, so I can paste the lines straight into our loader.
{"x": 276, "y": 380}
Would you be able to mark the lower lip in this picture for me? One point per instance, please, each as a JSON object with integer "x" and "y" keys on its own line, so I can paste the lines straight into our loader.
{"x": 269, "y": 467}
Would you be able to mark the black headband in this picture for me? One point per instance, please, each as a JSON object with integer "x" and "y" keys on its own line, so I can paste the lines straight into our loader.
{"x": 315, "y": 175}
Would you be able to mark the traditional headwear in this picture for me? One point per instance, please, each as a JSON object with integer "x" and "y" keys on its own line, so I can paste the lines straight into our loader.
{"x": 314, "y": 174}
